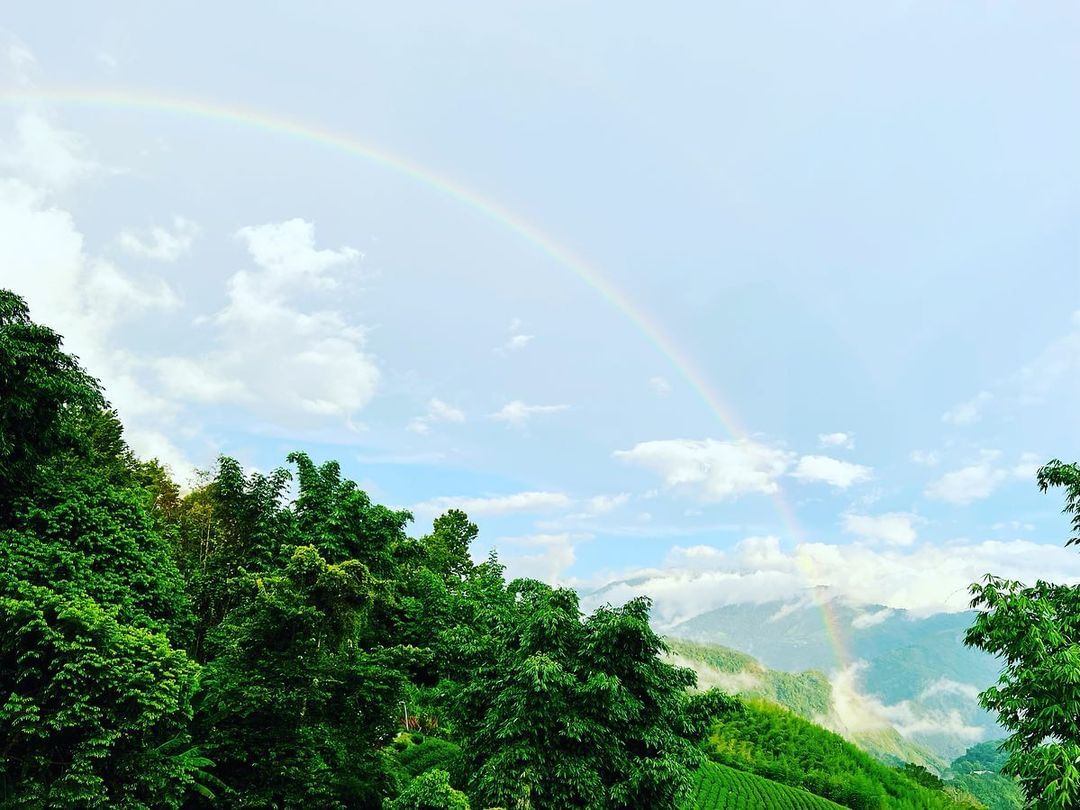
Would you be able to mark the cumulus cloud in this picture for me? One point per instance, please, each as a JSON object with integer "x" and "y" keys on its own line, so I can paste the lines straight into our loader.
{"x": 496, "y": 504}
{"x": 84, "y": 297}
{"x": 968, "y": 484}
{"x": 160, "y": 243}
{"x": 891, "y": 528}
{"x": 273, "y": 353}
{"x": 970, "y": 412}
{"x": 844, "y": 440}
{"x": 836, "y": 473}
{"x": 43, "y": 153}
{"x": 710, "y": 469}
{"x": 539, "y": 556}
{"x": 437, "y": 411}
{"x": 517, "y": 413}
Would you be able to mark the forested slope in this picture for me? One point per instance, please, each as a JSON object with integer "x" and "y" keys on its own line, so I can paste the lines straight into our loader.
{"x": 775, "y": 743}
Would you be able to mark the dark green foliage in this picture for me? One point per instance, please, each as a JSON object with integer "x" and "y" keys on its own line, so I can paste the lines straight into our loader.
{"x": 43, "y": 393}
{"x": 290, "y": 701}
{"x": 430, "y": 791}
{"x": 433, "y": 753}
{"x": 89, "y": 706}
{"x": 921, "y": 776}
{"x": 774, "y": 743}
{"x": 1034, "y": 631}
{"x": 718, "y": 787}
{"x": 565, "y": 712}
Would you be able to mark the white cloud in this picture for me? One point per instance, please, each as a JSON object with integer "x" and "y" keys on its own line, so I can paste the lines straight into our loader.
{"x": 517, "y": 413}
{"x": 516, "y": 343}
{"x": 970, "y": 412}
{"x": 437, "y": 411}
{"x": 713, "y": 470}
{"x": 290, "y": 361}
{"x": 43, "y": 259}
{"x": 891, "y": 528}
{"x": 921, "y": 578}
{"x": 660, "y": 386}
{"x": 158, "y": 243}
{"x": 602, "y": 504}
{"x": 856, "y": 712}
{"x": 1027, "y": 467}
{"x": 845, "y": 440}
{"x": 968, "y": 484}
{"x": 548, "y": 557}
{"x": 517, "y": 340}
{"x": 871, "y": 619}
{"x": 42, "y": 153}
{"x": 947, "y": 686}
{"x": 840, "y": 474}
{"x": 496, "y": 504}
{"x": 925, "y": 458}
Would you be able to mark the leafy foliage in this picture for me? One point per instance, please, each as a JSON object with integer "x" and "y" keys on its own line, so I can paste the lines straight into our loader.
{"x": 1035, "y": 631}
{"x": 430, "y": 791}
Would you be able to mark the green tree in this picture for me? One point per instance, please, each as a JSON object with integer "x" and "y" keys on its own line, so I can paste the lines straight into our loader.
{"x": 572, "y": 713}
{"x": 430, "y": 791}
{"x": 291, "y": 702}
{"x": 1035, "y": 631}
{"x": 95, "y": 689}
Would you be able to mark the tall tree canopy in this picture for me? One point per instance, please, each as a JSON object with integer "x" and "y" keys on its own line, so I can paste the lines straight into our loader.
{"x": 95, "y": 684}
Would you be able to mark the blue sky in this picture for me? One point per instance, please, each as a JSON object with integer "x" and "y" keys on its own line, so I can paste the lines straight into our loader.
{"x": 861, "y": 222}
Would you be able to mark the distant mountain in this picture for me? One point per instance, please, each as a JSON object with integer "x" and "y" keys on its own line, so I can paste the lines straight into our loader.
{"x": 884, "y": 666}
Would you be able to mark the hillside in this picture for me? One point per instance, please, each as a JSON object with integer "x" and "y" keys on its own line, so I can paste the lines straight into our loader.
{"x": 915, "y": 671}
{"x": 774, "y": 743}
{"x": 718, "y": 787}
{"x": 978, "y": 772}
{"x": 808, "y": 694}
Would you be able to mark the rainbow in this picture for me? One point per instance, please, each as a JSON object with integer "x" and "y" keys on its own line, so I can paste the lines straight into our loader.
{"x": 498, "y": 214}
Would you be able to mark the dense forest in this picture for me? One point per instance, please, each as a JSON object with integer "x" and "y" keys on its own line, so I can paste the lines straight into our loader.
{"x": 279, "y": 640}
{"x": 257, "y": 641}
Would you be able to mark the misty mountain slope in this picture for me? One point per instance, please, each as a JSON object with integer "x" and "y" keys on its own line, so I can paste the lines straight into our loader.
{"x": 808, "y": 694}
{"x": 774, "y": 742}
{"x": 911, "y": 673}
